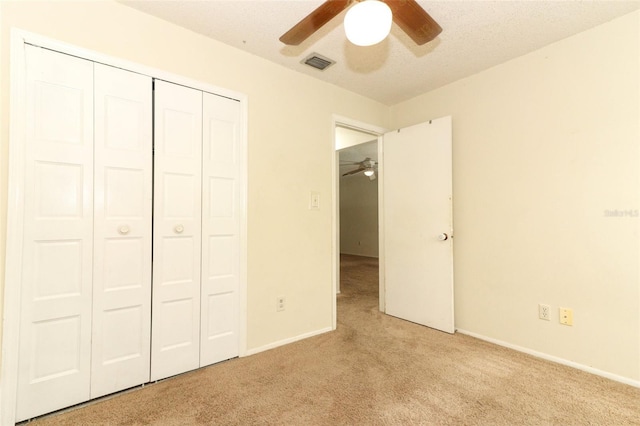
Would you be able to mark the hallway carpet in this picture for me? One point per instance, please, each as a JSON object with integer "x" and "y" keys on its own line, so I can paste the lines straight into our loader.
{"x": 373, "y": 370}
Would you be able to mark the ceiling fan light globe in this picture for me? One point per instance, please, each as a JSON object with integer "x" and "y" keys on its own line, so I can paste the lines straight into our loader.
{"x": 368, "y": 22}
{"x": 368, "y": 172}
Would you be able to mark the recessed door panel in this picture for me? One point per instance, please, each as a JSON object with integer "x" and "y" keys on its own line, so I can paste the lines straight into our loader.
{"x": 177, "y": 230}
{"x": 222, "y": 198}
{"x": 55, "y": 330}
{"x": 177, "y": 325}
{"x": 122, "y": 118}
{"x": 122, "y": 236}
{"x": 221, "y": 317}
{"x": 60, "y": 339}
{"x": 174, "y": 269}
{"x": 223, "y": 140}
{"x": 125, "y": 192}
{"x": 222, "y": 252}
{"x": 130, "y": 344}
{"x": 59, "y": 190}
{"x": 57, "y": 267}
{"x": 178, "y": 126}
{"x": 180, "y": 192}
{"x": 126, "y": 252}
{"x": 60, "y": 111}
{"x": 220, "y": 230}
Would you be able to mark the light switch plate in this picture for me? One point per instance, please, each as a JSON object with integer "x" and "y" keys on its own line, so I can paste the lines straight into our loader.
{"x": 314, "y": 200}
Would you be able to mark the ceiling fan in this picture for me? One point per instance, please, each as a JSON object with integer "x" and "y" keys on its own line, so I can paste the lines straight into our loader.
{"x": 366, "y": 166}
{"x": 407, "y": 14}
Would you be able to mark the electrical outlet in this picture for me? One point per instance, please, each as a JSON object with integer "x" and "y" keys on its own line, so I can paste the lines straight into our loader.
{"x": 280, "y": 303}
{"x": 544, "y": 312}
{"x": 566, "y": 316}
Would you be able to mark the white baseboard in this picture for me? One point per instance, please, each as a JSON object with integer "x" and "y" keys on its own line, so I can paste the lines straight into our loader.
{"x": 287, "y": 341}
{"x": 621, "y": 379}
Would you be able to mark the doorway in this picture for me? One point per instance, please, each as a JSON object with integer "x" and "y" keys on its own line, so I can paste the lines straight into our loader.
{"x": 358, "y": 185}
{"x": 356, "y": 189}
{"x": 417, "y": 149}
{"x": 358, "y": 217}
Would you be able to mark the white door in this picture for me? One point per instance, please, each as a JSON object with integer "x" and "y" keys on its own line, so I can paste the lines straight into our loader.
{"x": 220, "y": 229}
{"x": 122, "y": 230}
{"x": 55, "y": 324}
{"x": 175, "y": 340}
{"x": 418, "y": 250}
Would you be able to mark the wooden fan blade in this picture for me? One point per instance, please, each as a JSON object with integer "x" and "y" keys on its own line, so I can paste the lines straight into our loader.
{"x": 314, "y": 21}
{"x": 414, "y": 20}
{"x": 353, "y": 172}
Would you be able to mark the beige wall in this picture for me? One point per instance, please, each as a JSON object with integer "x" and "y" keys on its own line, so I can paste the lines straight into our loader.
{"x": 544, "y": 145}
{"x": 290, "y": 147}
{"x": 359, "y": 215}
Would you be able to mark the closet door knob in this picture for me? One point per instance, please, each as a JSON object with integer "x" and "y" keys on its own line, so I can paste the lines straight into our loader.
{"x": 179, "y": 229}
{"x": 124, "y": 230}
{"x": 443, "y": 237}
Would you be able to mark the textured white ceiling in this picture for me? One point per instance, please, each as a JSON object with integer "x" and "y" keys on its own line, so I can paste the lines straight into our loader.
{"x": 476, "y": 35}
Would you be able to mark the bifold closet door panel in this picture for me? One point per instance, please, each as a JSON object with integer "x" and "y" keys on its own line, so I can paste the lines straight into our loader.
{"x": 220, "y": 229}
{"x": 175, "y": 341}
{"x": 121, "y": 340}
{"x": 55, "y": 314}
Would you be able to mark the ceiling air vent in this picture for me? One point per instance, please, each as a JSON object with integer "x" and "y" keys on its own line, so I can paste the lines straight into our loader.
{"x": 318, "y": 61}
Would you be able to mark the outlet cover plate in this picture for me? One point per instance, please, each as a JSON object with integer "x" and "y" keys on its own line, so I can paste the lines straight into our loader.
{"x": 544, "y": 312}
{"x": 566, "y": 316}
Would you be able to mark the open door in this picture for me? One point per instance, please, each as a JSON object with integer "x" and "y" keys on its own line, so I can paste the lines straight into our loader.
{"x": 417, "y": 214}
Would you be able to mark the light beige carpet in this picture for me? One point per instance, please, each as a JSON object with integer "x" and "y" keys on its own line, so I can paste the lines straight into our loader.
{"x": 374, "y": 370}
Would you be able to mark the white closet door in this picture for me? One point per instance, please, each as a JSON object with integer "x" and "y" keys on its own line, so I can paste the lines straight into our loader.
{"x": 175, "y": 346}
{"x": 220, "y": 229}
{"x": 55, "y": 330}
{"x": 121, "y": 340}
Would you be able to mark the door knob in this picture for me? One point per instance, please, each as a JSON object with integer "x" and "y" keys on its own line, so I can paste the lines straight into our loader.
{"x": 179, "y": 229}
{"x": 124, "y": 230}
{"x": 443, "y": 237}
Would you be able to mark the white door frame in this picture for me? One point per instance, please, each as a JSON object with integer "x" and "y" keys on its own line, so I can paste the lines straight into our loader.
{"x": 341, "y": 121}
{"x": 14, "y": 237}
